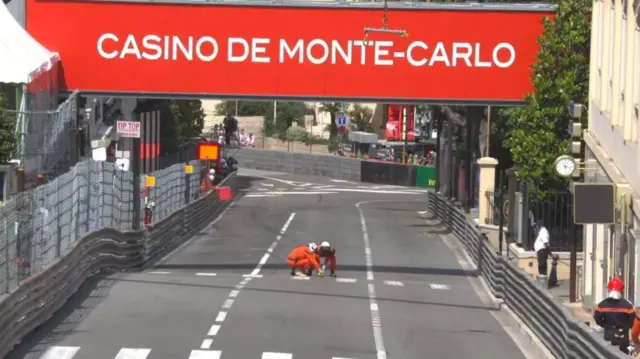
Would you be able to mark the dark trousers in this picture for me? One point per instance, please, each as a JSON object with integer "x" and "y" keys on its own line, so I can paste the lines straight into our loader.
{"x": 227, "y": 137}
{"x": 542, "y": 254}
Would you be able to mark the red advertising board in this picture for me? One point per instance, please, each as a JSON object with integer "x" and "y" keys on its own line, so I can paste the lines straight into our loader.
{"x": 295, "y": 52}
{"x": 394, "y": 128}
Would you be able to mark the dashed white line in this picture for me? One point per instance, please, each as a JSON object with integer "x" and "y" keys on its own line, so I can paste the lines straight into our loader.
{"x": 57, "y": 352}
{"x": 438, "y": 286}
{"x": 205, "y": 354}
{"x": 394, "y": 283}
{"x": 206, "y": 274}
{"x": 234, "y": 293}
{"x": 227, "y": 303}
{"x": 133, "y": 353}
{"x": 271, "y": 355}
{"x": 206, "y": 344}
{"x": 158, "y": 272}
{"x": 221, "y": 317}
{"x": 213, "y": 331}
{"x": 273, "y": 245}
{"x": 346, "y": 280}
{"x": 376, "y": 322}
{"x": 299, "y": 278}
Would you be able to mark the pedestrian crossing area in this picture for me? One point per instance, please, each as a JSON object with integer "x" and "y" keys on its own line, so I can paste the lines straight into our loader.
{"x": 65, "y": 352}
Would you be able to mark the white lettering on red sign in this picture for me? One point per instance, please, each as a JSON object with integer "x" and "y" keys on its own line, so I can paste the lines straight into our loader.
{"x": 315, "y": 51}
{"x": 128, "y": 129}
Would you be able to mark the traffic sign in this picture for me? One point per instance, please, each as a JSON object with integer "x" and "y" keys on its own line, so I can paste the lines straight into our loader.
{"x": 341, "y": 120}
{"x": 130, "y": 129}
{"x": 342, "y": 129}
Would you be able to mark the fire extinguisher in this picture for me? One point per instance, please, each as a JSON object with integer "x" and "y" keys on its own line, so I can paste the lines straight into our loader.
{"x": 148, "y": 213}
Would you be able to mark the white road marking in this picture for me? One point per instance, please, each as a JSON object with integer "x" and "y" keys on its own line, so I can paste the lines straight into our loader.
{"x": 221, "y": 317}
{"x": 271, "y": 355}
{"x": 340, "y": 358}
{"x": 60, "y": 352}
{"x": 206, "y": 274}
{"x": 376, "y": 321}
{"x": 340, "y": 181}
{"x": 362, "y": 190}
{"x": 213, "y": 331}
{"x": 273, "y": 245}
{"x": 234, "y": 293}
{"x": 252, "y": 275}
{"x": 158, "y": 272}
{"x": 394, "y": 283}
{"x": 324, "y": 186}
{"x": 307, "y": 184}
{"x": 206, "y": 344}
{"x": 227, "y": 303}
{"x": 266, "y": 184}
{"x": 439, "y": 286}
{"x": 261, "y": 195}
{"x": 346, "y": 280}
{"x": 133, "y": 353}
{"x": 295, "y": 277}
{"x": 205, "y": 354}
{"x": 280, "y": 180}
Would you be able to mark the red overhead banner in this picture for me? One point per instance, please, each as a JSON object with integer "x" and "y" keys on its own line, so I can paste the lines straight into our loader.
{"x": 303, "y": 52}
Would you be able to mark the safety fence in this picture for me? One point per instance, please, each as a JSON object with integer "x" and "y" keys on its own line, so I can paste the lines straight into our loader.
{"x": 94, "y": 234}
{"x": 563, "y": 335}
{"x": 46, "y": 138}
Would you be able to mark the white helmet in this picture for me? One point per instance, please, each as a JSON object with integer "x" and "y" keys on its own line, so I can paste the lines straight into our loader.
{"x": 313, "y": 247}
{"x": 325, "y": 244}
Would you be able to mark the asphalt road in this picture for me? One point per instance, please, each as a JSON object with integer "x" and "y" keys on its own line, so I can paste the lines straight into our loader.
{"x": 228, "y": 294}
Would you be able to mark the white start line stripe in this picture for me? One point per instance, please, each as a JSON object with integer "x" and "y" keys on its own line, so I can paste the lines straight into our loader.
{"x": 394, "y": 283}
{"x": 228, "y": 303}
{"x": 439, "y": 286}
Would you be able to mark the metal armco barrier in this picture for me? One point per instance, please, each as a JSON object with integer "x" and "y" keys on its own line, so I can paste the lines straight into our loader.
{"x": 388, "y": 173}
{"x": 564, "y": 336}
{"x": 38, "y": 297}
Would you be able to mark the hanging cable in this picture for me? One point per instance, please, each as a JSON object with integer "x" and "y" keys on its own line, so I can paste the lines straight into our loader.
{"x": 385, "y": 26}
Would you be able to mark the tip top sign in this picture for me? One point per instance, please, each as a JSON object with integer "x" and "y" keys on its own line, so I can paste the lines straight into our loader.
{"x": 129, "y": 129}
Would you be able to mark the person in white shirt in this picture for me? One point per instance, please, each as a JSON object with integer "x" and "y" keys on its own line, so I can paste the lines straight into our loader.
{"x": 541, "y": 247}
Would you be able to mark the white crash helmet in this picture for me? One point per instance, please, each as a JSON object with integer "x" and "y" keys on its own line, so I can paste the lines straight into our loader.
{"x": 313, "y": 247}
{"x": 325, "y": 244}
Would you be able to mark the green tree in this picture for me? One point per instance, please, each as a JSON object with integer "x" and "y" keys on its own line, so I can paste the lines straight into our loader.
{"x": 287, "y": 113}
{"x": 360, "y": 118}
{"x": 181, "y": 119}
{"x": 332, "y": 108}
{"x": 245, "y": 108}
{"x": 7, "y": 136}
{"x": 536, "y": 133}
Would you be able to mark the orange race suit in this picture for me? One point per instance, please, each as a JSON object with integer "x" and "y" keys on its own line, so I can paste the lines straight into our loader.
{"x": 616, "y": 316}
{"x": 302, "y": 258}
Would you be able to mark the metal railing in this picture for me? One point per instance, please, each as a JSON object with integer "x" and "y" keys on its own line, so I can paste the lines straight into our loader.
{"x": 564, "y": 336}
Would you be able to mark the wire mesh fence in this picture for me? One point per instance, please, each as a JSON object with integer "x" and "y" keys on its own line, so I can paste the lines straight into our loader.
{"x": 42, "y": 224}
{"x": 45, "y": 138}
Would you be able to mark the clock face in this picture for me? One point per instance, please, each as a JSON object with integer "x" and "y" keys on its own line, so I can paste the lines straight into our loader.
{"x": 565, "y": 166}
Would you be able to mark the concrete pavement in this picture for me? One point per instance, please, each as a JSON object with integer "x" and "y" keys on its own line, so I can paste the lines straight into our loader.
{"x": 228, "y": 294}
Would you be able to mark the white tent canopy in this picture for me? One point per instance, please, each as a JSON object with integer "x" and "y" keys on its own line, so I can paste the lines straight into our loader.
{"x": 22, "y": 58}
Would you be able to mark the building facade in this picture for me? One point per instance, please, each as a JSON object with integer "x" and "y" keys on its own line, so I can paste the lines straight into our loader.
{"x": 612, "y": 151}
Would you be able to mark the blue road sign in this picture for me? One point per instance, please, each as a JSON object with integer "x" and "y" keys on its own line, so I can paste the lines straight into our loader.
{"x": 341, "y": 120}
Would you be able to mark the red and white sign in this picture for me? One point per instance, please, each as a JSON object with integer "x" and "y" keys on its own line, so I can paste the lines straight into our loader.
{"x": 129, "y": 129}
{"x": 306, "y": 53}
